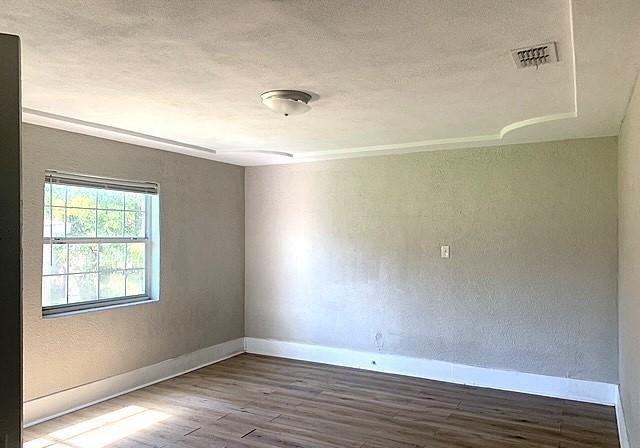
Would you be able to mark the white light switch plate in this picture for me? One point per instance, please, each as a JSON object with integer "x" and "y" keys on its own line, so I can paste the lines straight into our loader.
{"x": 444, "y": 251}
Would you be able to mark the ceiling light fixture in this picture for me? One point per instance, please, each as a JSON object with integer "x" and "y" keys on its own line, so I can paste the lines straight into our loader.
{"x": 286, "y": 102}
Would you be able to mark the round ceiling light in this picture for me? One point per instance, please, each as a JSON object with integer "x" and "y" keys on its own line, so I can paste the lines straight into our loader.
{"x": 286, "y": 102}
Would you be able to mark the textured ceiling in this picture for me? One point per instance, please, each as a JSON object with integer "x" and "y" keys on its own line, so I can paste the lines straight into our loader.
{"x": 387, "y": 76}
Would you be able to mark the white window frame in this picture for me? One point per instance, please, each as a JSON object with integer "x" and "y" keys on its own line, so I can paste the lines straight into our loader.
{"x": 151, "y": 191}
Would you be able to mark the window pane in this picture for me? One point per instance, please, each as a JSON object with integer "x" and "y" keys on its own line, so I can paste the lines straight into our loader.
{"x": 80, "y": 272}
{"x": 135, "y": 282}
{"x": 56, "y": 264}
{"x": 109, "y": 223}
{"x": 58, "y": 195}
{"x": 108, "y": 199}
{"x": 111, "y": 284}
{"x": 47, "y": 193}
{"x": 112, "y": 256}
{"x": 81, "y": 222}
{"x": 47, "y": 230}
{"x": 135, "y": 255}
{"x": 134, "y": 224}
{"x": 83, "y": 258}
{"x": 134, "y": 201}
{"x": 83, "y": 287}
{"x": 58, "y": 222}
{"x": 54, "y": 290}
{"x": 81, "y": 197}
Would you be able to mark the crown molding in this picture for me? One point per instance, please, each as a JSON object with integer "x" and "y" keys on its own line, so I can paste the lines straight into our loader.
{"x": 62, "y": 122}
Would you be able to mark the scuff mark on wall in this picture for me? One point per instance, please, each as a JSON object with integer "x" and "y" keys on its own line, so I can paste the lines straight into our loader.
{"x": 379, "y": 341}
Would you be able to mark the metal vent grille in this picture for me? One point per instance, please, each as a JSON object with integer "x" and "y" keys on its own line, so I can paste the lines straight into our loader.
{"x": 535, "y": 56}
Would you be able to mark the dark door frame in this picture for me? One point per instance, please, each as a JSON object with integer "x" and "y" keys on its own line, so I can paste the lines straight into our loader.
{"x": 10, "y": 245}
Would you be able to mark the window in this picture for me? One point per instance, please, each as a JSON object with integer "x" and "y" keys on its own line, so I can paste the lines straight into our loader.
{"x": 98, "y": 242}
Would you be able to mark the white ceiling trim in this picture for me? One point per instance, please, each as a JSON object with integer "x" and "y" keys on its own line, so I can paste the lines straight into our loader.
{"x": 445, "y": 143}
{"x": 50, "y": 120}
{"x": 65, "y": 123}
{"x": 258, "y": 151}
{"x": 47, "y": 119}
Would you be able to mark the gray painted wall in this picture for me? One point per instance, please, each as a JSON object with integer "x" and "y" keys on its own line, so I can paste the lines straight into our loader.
{"x": 10, "y": 257}
{"x": 347, "y": 254}
{"x": 629, "y": 266}
{"x": 202, "y": 264}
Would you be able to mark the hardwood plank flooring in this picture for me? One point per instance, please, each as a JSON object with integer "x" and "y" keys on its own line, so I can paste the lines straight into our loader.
{"x": 264, "y": 402}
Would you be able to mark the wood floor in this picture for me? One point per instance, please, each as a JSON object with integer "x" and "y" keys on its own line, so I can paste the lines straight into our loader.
{"x": 257, "y": 401}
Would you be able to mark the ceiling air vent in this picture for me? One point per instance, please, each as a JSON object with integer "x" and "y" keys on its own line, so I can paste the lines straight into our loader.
{"x": 535, "y": 56}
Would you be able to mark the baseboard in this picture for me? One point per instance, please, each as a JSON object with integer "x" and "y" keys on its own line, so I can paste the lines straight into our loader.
{"x": 59, "y": 403}
{"x": 549, "y": 386}
{"x": 622, "y": 427}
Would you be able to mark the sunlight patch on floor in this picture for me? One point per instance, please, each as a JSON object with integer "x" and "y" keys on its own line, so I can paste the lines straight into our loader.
{"x": 100, "y": 431}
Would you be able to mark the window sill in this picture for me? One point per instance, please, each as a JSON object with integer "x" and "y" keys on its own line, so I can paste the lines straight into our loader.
{"x": 95, "y": 309}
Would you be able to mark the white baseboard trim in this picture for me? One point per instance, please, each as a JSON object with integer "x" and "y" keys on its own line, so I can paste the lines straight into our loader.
{"x": 549, "y": 386}
{"x": 59, "y": 403}
{"x": 622, "y": 427}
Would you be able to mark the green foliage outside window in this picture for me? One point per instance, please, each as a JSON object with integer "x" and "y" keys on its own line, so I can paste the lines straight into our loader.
{"x": 87, "y": 270}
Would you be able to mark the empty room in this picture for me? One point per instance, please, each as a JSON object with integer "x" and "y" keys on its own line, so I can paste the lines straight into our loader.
{"x": 320, "y": 223}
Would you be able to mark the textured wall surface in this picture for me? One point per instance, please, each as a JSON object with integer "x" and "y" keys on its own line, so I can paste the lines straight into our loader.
{"x": 347, "y": 254}
{"x": 202, "y": 264}
{"x": 629, "y": 266}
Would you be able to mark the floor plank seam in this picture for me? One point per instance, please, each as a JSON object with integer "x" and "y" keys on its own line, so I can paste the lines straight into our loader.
{"x": 248, "y": 433}
{"x": 191, "y": 432}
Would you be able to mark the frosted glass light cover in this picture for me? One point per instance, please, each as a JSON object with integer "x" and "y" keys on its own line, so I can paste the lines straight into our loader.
{"x": 286, "y": 106}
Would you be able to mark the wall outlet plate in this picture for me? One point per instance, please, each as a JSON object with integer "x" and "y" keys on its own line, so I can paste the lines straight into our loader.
{"x": 444, "y": 251}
